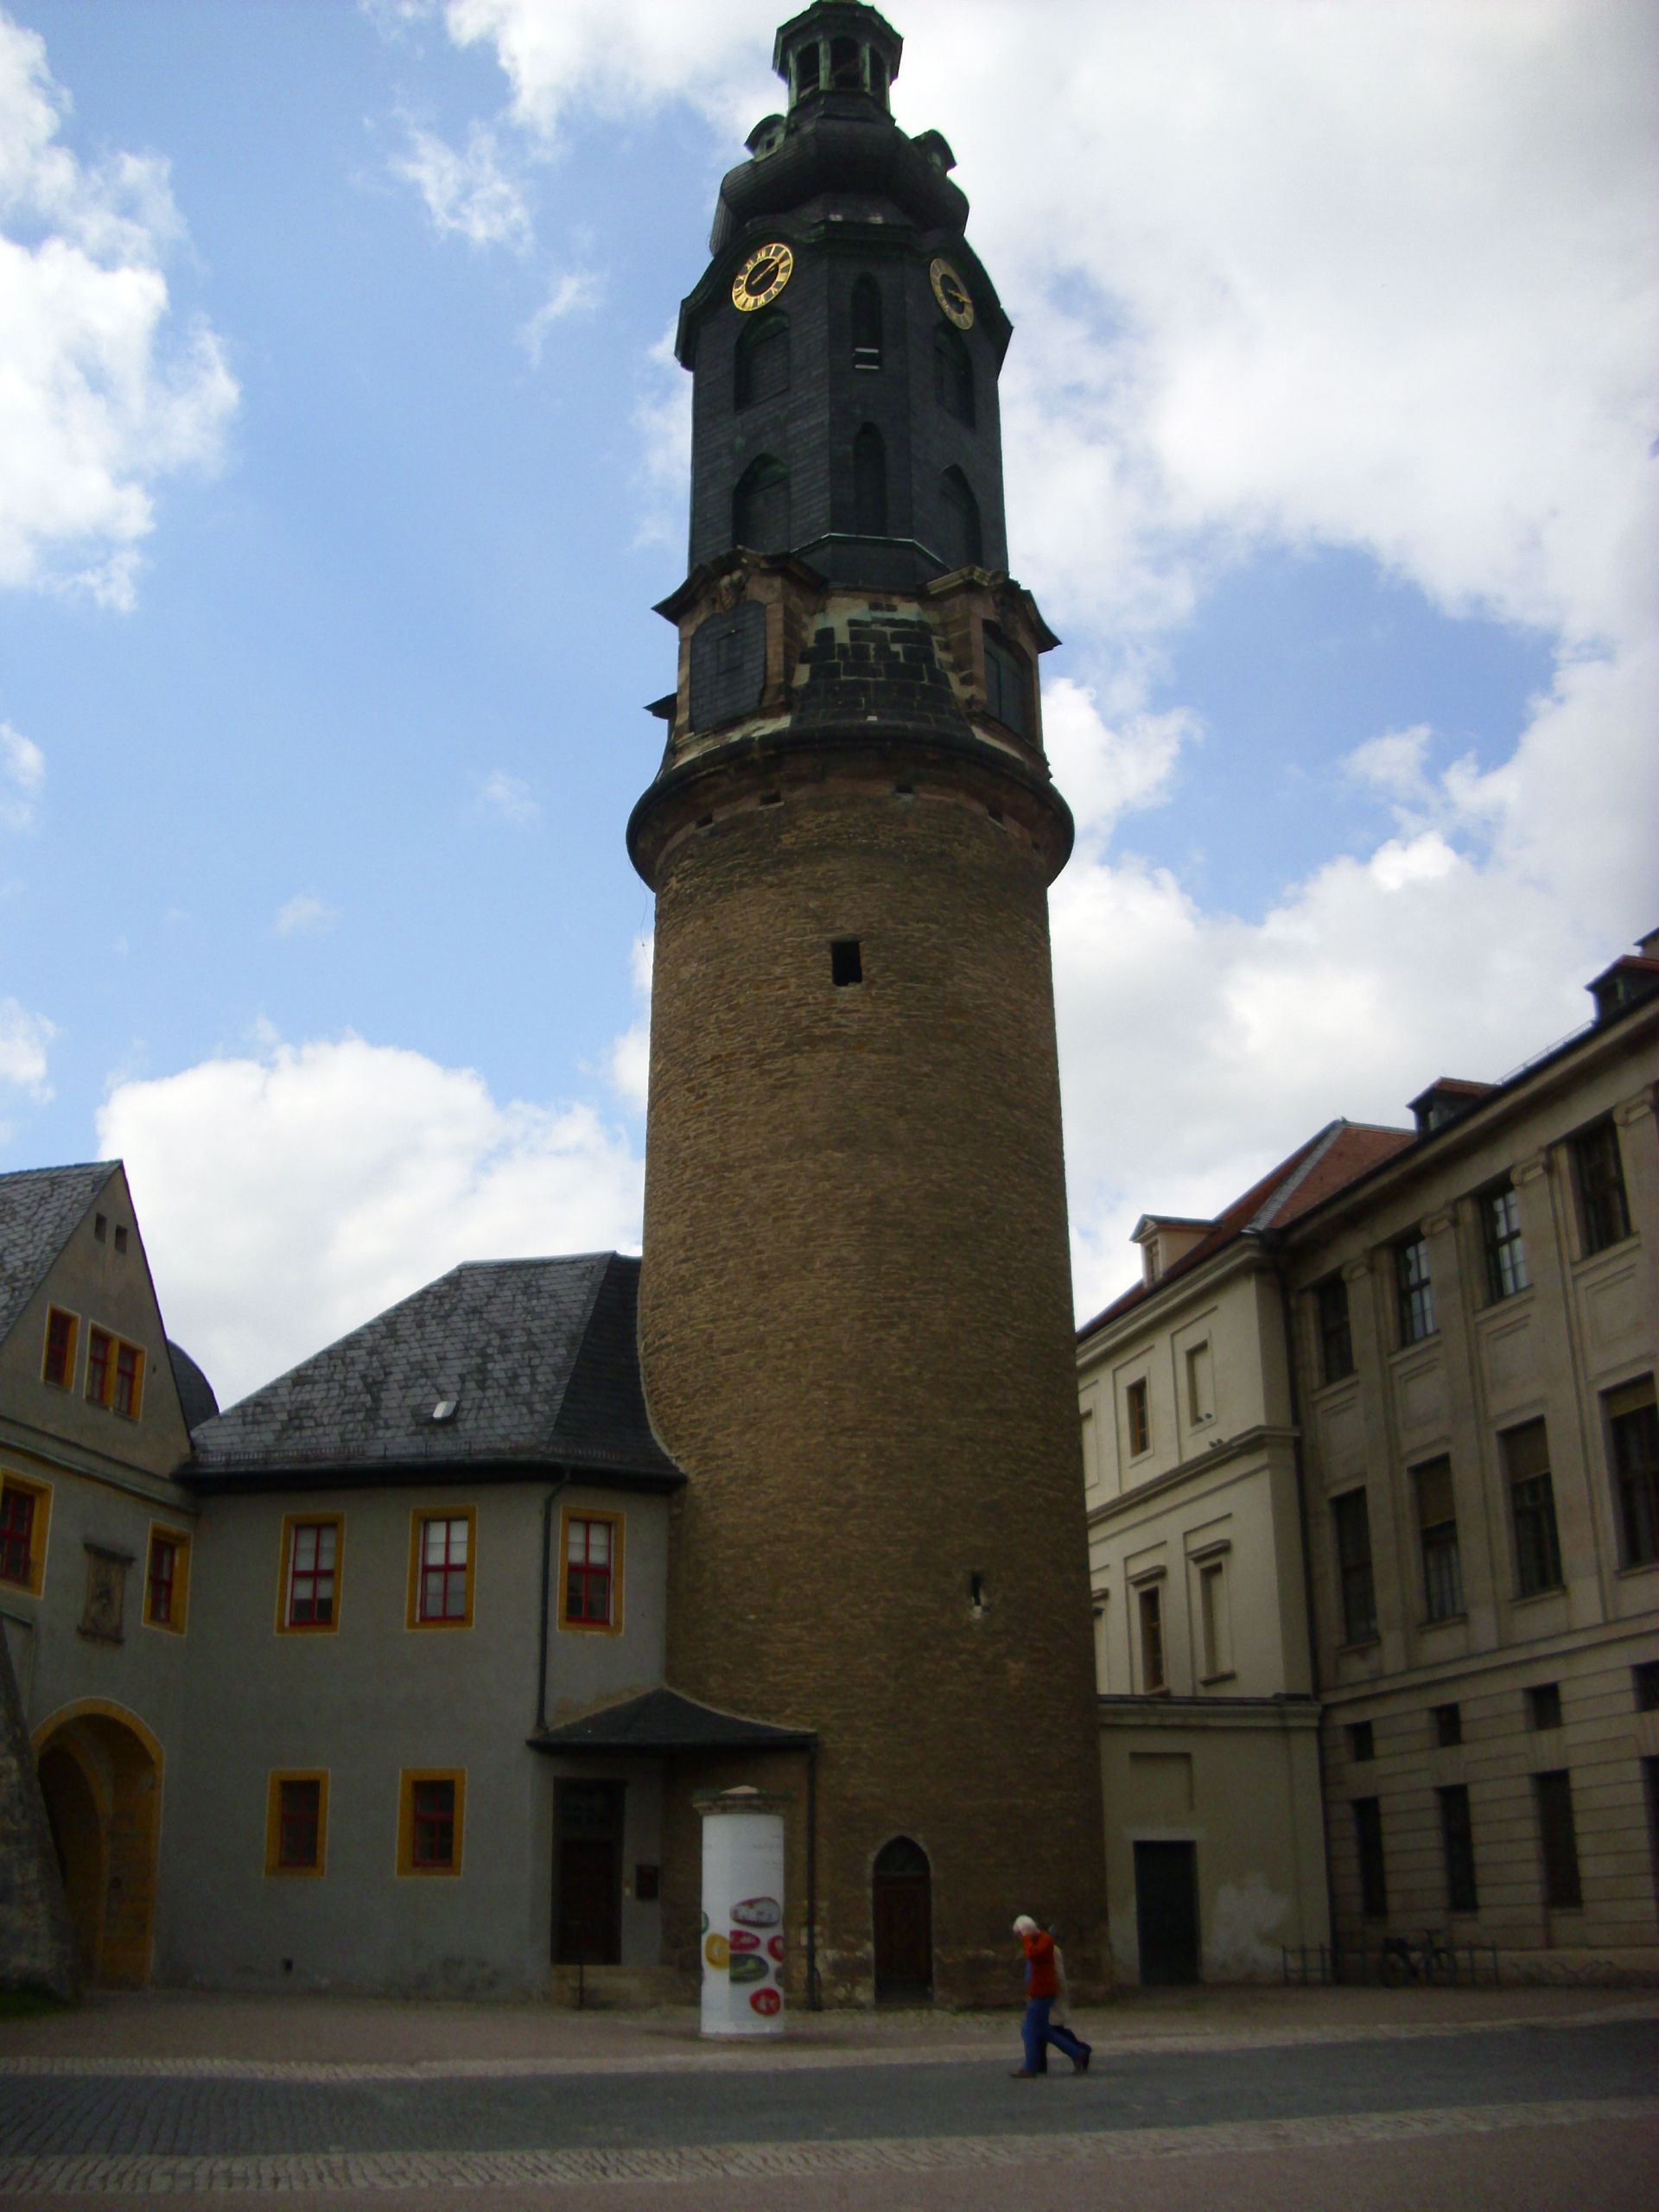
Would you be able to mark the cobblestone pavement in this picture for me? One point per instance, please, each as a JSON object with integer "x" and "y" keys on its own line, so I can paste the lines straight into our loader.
{"x": 91, "y": 2127}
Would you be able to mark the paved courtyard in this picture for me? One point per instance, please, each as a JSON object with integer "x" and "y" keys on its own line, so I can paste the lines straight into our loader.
{"x": 1281, "y": 2098}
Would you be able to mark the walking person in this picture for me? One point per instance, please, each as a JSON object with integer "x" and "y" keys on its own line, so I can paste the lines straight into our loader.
{"x": 1042, "y": 1987}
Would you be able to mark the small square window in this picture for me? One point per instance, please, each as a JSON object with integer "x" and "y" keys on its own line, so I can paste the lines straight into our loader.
{"x": 121, "y": 1236}
{"x": 101, "y": 1227}
{"x": 1544, "y": 1705}
{"x": 1449, "y": 1725}
{"x": 1361, "y": 1741}
{"x": 846, "y": 962}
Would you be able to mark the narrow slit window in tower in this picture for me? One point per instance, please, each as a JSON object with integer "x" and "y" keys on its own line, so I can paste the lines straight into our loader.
{"x": 869, "y": 483}
{"x": 760, "y": 369}
{"x": 846, "y": 962}
{"x": 964, "y": 546}
{"x": 953, "y": 373}
{"x": 867, "y": 324}
{"x": 760, "y": 507}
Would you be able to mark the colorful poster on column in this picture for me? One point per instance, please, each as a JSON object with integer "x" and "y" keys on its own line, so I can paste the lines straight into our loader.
{"x": 742, "y": 1924}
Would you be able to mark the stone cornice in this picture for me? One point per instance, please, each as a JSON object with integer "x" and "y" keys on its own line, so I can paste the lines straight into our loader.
{"x": 1262, "y": 1438}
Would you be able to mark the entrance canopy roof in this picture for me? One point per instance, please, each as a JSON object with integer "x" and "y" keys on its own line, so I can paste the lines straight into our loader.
{"x": 662, "y": 1721}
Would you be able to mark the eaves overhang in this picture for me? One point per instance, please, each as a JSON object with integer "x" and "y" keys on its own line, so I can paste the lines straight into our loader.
{"x": 228, "y": 1477}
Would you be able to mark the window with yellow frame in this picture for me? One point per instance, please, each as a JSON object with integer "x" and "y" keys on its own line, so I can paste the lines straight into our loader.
{"x": 166, "y": 1579}
{"x": 296, "y": 1823}
{"x": 431, "y": 1817}
{"x": 25, "y": 1512}
{"x": 590, "y": 1581}
{"x": 442, "y": 1559}
{"x": 308, "y": 1591}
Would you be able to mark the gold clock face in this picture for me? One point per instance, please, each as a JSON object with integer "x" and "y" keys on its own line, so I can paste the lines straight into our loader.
{"x": 952, "y": 295}
{"x": 762, "y": 276}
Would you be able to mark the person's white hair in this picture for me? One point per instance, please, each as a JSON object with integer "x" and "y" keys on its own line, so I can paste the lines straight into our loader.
{"x": 1024, "y": 1923}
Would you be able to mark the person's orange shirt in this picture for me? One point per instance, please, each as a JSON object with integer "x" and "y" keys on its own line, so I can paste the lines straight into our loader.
{"x": 1042, "y": 1980}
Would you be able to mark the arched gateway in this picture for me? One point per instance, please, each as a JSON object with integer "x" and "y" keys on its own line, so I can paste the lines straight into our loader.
{"x": 100, "y": 1771}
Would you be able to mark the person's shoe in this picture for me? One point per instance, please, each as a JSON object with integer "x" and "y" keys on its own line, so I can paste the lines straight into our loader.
{"x": 1025, "y": 2074}
{"x": 1081, "y": 2065}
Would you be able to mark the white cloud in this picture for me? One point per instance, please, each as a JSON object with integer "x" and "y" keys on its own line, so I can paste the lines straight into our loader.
{"x": 288, "y": 1197}
{"x": 662, "y": 419}
{"x": 509, "y": 798}
{"x": 576, "y": 293}
{"x": 468, "y": 195}
{"x": 23, "y": 1040}
{"x": 630, "y": 1066}
{"x": 93, "y": 408}
{"x": 304, "y": 915}
{"x": 1285, "y": 274}
{"x": 23, "y": 773}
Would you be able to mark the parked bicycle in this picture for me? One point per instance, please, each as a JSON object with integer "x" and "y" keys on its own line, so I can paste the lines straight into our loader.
{"x": 1430, "y": 1961}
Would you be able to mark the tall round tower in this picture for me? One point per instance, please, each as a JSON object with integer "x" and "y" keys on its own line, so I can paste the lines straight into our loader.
{"x": 855, "y": 1307}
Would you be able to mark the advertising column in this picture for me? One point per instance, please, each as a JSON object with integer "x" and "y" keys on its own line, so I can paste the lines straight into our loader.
{"x": 742, "y": 1912}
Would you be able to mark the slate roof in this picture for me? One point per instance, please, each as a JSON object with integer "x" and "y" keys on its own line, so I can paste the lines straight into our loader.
{"x": 40, "y": 1208}
{"x": 1340, "y": 1152}
{"x": 539, "y": 1356}
{"x": 197, "y": 1401}
{"x": 663, "y": 1720}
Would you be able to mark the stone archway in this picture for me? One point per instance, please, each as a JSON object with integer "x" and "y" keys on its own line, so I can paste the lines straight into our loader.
{"x": 100, "y": 1771}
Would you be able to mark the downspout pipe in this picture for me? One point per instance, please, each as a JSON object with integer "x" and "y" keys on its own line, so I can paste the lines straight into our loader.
{"x": 814, "y": 1995}
{"x": 1288, "y": 1313}
{"x": 548, "y": 1504}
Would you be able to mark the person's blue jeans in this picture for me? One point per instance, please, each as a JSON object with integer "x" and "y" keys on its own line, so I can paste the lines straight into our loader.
{"x": 1038, "y": 2032}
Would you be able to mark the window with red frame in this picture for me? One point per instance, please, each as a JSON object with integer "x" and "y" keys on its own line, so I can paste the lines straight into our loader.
{"x": 587, "y": 1573}
{"x": 311, "y": 1578}
{"x": 129, "y": 1367}
{"x": 443, "y": 1569}
{"x": 163, "y": 1570}
{"x": 299, "y": 1823}
{"x": 60, "y": 1349}
{"x": 433, "y": 1830}
{"x": 99, "y": 1345}
{"x": 16, "y": 1527}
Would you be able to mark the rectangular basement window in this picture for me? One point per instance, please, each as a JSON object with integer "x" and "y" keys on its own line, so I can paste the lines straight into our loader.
{"x": 846, "y": 964}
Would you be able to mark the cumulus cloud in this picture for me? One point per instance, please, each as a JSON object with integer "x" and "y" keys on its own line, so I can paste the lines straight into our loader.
{"x": 508, "y": 799}
{"x": 468, "y": 195}
{"x": 23, "y": 1040}
{"x": 96, "y": 402}
{"x": 630, "y": 1066}
{"x": 1284, "y": 276}
{"x": 23, "y": 773}
{"x": 304, "y": 915}
{"x": 578, "y": 292}
{"x": 289, "y": 1196}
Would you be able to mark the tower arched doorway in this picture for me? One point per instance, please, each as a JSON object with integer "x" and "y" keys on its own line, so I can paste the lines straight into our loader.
{"x": 902, "y": 1914}
{"x": 100, "y": 1772}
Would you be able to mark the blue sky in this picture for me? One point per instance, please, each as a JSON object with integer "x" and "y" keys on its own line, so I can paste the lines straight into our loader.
{"x": 316, "y": 822}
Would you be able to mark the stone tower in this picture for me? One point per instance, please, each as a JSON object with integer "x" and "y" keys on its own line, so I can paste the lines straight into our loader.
{"x": 855, "y": 1309}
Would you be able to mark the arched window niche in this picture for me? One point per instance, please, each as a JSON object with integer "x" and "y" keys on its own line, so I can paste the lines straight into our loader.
{"x": 867, "y": 323}
{"x": 760, "y": 366}
{"x": 953, "y": 373}
{"x": 962, "y": 541}
{"x": 869, "y": 483}
{"x": 761, "y": 506}
{"x": 901, "y": 1902}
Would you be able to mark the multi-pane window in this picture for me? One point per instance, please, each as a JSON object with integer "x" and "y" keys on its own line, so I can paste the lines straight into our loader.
{"x": 1004, "y": 683}
{"x": 115, "y": 1373}
{"x": 161, "y": 1584}
{"x": 59, "y": 1365}
{"x": 1139, "y": 1418}
{"x": 1633, "y": 1422}
{"x": 1603, "y": 1209}
{"x": 129, "y": 1370}
{"x": 101, "y": 1349}
{"x": 299, "y": 1824}
{"x": 443, "y": 1568}
{"x": 1449, "y": 1725}
{"x": 1506, "y": 1250}
{"x": 1353, "y": 1526}
{"x": 589, "y": 1571}
{"x": 1336, "y": 1332}
{"x": 1437, "y": 1522}
{"x": 1558, "y": 1839}
{"x": 1151, "y": 1602}
{"x": 315, "y": 1558}
{"x": 1457, "y": 1839}
{"x": 1415, "y": 1292}
{"x": 1532, "y": 1508}
{"x": 16, "y": 1534}
{"x": 433, "y": 1824}
{"x": 1373, "y": 1877}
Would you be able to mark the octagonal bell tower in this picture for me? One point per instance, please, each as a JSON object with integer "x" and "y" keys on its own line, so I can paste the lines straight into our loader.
{"x": 856, "y": 1306}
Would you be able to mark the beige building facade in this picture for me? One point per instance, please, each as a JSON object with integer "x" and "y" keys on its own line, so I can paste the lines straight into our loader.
{"x": 1474, "y": 1339}
{"x": 1209, "y": 1738}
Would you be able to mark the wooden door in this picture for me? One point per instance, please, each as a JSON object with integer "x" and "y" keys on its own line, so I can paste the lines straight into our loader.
{"x": 588, "y": 1875}
{"x": 902, "y": 1914}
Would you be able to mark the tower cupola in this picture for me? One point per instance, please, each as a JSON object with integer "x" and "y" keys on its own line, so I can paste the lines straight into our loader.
{"x": 836, "y": 48}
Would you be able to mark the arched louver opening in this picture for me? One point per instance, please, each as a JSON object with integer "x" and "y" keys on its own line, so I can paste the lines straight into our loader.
{"x": 963, "y": 544}
{"x": 1007, "y": 682}
{"x": 760, "y": 369}
{"x": 846, "y": 70}
{"x": 869, "y": 483}
{"x": 867, "y": 324}
{"x": 760, "y": 507}
{"x": 953, "y": 373}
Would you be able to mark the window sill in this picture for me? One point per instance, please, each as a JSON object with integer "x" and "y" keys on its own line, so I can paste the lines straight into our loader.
{"x": 1508, "y": 1302}
{"x": 1443, "y": 1620}
{"x": 1360, "y": 1644}
{"x": 1638, "y": 1567}
{"x": 1230, "y": 1675}
{"x": 1539, "y": 1597}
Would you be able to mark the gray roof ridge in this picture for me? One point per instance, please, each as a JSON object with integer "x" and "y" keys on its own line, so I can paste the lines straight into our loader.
{"x": 28, "y": 1285}
{"x": 1321, "y": 1144}
{"x": 62, "y": 1168}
